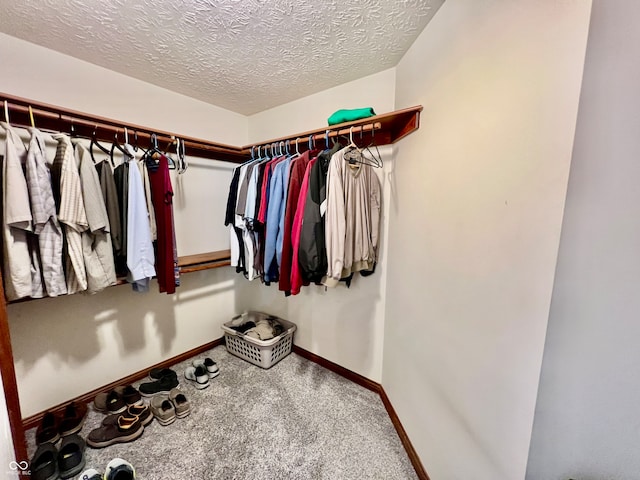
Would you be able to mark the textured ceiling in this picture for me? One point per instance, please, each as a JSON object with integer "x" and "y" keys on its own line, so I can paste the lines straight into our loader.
{"x": 243, "y": 55}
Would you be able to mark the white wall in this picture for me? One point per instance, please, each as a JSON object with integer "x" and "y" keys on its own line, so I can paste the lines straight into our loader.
{"x": 84, "y": 342}
{"x": 587, "y": 424}
{"x": 7, "y": 454}
{"x": 343, "y": 325}
{"x": 475, "y": 220}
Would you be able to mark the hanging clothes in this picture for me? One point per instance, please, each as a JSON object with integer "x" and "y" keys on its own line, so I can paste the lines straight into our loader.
{"x": 297, "y": 279}
{"x": 121, "y": 178}
{"x": 296, "y": 177}
{"x": 140, "y": 255}
{"x": 162, "y": 196}
{"x": 22, "y": 272}
{"x": 312, "y": 251}
{"x": 97, "y": 250}
{"x": 67, "y": 191}
{"x": 144, "y": 174}
{"x": 43, "y": 211}
{"x": 235, "y": 235}
{"x": 352, "y": 218}
{"x": 275, "y": 220}
{"x": 112, "y": 203}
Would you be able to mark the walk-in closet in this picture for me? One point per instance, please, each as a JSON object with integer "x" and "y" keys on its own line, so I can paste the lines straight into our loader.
{"x": 319, "y": 240}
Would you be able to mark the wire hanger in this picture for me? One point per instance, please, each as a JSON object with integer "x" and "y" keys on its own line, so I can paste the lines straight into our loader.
{"x": 352, "y": 153}
{"x": 182, "y": 159}
{"x": 374, "y": 157}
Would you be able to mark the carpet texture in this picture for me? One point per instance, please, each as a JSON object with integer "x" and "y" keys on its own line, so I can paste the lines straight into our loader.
{"x": 296, "y": 420}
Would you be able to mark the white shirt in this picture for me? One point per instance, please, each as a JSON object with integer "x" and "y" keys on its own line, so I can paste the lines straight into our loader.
{"x": 140, "y": 255}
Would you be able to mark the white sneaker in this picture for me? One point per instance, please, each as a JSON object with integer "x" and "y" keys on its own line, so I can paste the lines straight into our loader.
{"x": 120, "y": 469}
{"x": 91, "y": 474}
{"x": 209, "y": 365}
{"x": 198, "y": 376}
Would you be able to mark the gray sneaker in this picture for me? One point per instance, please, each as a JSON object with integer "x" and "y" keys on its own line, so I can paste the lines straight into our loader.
{"x": 163, "y": 410}
{"x": 198, "y": 376}
{"x": 210, "y": 365}
{"x": 180, "y": 403}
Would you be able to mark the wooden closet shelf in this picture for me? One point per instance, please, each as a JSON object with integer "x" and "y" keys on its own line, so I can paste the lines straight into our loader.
{"x": 187, "y": 264}
{"x": 204, "y": 261}
{"x": 387, "y": 128}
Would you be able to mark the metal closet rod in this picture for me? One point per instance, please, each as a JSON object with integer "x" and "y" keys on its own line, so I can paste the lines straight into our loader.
{"x": 53, "y": 118}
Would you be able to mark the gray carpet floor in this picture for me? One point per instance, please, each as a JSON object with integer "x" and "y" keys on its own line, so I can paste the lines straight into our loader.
{"x": 296, "y": 420}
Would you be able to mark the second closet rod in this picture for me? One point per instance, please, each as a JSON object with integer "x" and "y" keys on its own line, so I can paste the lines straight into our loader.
{"x": 367, "y": 130}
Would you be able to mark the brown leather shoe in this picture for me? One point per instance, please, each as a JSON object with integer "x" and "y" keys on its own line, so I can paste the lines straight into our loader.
{"x": 143, "y": 412}
{"x": 125, "y": 429}
{"x": 73, "y": 418}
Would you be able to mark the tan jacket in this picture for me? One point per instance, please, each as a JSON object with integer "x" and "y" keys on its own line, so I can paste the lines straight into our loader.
{"x": 352, "y": 220}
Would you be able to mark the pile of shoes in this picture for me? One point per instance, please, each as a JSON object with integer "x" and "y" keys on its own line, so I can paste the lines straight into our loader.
{"x": 126, "y": 419}
{"x": 49, "y": 462}
{"x": 117, "y": 469}
{"x": 126, "y": 416}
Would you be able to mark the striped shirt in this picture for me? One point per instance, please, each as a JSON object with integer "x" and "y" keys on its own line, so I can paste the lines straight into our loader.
{"x": 65, "y": 179}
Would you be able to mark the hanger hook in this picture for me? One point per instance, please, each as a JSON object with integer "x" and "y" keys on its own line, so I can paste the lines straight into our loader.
{"x": 126, "y": 135}
{"x": 351, "y": 134}
{"x": 6, "y": 111}
{"x": 326, "y": 138}
{"x": 33, "y": 123}
{"x": 297, "y": 151}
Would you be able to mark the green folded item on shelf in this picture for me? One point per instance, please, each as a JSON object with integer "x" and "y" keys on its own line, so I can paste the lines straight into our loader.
{"x": 351, "y": 115}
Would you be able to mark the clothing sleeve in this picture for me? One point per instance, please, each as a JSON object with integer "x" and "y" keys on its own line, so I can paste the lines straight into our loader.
{"x": 286, "y": 171}
{"x": 375, "y": 202}
{"x": 273, "y": 220}
{"x": 335, "y": 225}
{"x": 296, "y": 271}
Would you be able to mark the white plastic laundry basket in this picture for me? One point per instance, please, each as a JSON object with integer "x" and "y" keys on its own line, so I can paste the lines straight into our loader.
{"x": 263, "y": 353}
